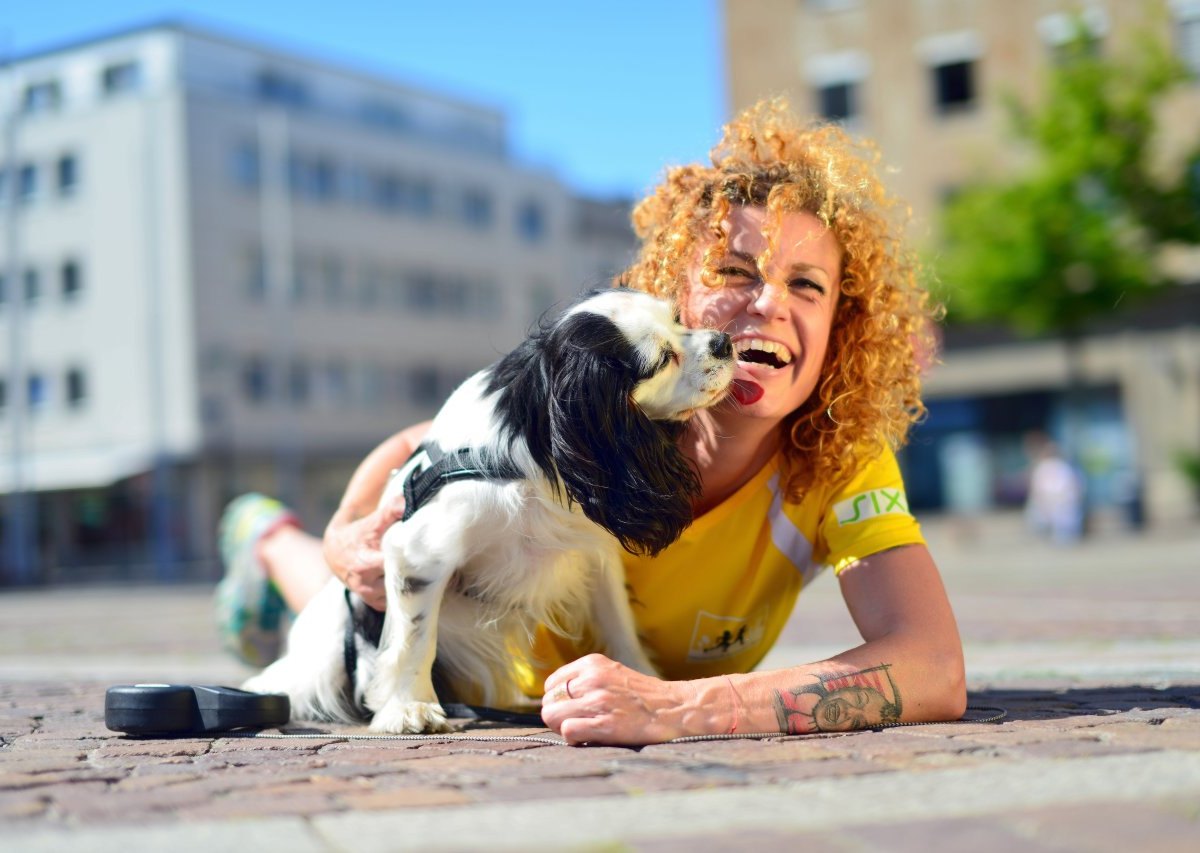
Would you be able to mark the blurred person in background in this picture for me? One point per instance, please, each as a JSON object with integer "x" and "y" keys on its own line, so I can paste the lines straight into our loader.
{"x": 1055, "y": 506}
{"x": 788, "y": 242}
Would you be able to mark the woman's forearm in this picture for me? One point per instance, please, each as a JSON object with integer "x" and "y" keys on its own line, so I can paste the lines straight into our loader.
{"x": 888, "y": 680}
{"x": 371, "y": 476}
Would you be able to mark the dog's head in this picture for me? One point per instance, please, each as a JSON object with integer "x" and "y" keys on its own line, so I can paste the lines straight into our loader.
{"x": 667, "y": 369}
{"x": 600, "y": 396}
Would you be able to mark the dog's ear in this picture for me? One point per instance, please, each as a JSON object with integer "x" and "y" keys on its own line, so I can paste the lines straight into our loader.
{"x": 623, "y": 469}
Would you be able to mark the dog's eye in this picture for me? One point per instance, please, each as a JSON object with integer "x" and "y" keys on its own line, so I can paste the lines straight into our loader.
{"x": 668, "y": 357}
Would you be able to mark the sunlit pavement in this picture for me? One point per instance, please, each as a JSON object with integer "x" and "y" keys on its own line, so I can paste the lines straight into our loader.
{"x": 1093, "y": 651}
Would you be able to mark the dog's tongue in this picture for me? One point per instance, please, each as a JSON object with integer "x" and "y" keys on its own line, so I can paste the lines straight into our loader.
{"x": 746, "y": 392}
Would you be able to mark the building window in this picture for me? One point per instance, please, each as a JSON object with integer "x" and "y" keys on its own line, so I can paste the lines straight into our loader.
{"x": 455, "y": 295}
{"x": 72, "y": 281}
{"x": 33, "y": 286}
{"x": 322, "y": 182}
{"x": 386, "y": 116}
{"x": 395, "y": 193}
{"x": 425, "y": 387}
{"x": 36, "y": 391}
{"x": 256, "y": 379}
{"x": 303, "y": 274}
{"x": 421, "y": 291}
{"x": 395, "y": 289}
{"x": 476, "y": 208}
{"x": 836, "y": 79}
{"x": 954, "y": 87}
{"x": 67, "y": 171}
{"x": 42, "y": 97}
{"x": 333, "y": 280}
{"x": 837, "y": 101}
{"x": 952, "y": 59}
{"x": 418, "y": 197}
{"x": 1187, "y": 35}
{"x": 76, "y": 388}
{"x": 299, "y": 383}
{"x": 247, "y": 168}
{"x": 370, "y": 289}
{"x": 314, "y": 178}
{"x": 542, "y": 297}
{"x": 27, "y": 183}
{"x": 374, "y": 385}
{"x": 255, "y": 262}
{"x": 531, "y": 222}
{"x": 337, "y": 383}
{"x": 384, "y": 191}
{"x": 1071, "y": 34}
{"x": 358, "y": 185}
{"x": 3, "y": 394}
{"x": 275, "y": 87}
{"x": 121, "y": 78}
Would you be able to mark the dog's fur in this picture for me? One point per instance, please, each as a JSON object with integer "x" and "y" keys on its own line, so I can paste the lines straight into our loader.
{"x": 588, "y": 410}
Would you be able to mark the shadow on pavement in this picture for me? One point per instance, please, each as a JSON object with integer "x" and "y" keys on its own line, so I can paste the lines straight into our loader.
{"x": 1062, "y": 703}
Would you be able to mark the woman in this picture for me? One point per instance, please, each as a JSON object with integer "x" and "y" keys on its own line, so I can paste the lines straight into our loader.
{"x": 789, "y": 243}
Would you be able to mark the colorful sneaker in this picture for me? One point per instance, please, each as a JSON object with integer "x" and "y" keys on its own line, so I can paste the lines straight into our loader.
{"x": 252, "y": 618}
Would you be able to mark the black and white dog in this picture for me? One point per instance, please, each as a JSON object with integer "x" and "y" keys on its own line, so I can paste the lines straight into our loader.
{"x": 532, "y": 476}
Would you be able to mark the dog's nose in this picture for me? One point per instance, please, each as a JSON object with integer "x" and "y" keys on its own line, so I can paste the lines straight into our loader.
{"x": 721, "y": 346}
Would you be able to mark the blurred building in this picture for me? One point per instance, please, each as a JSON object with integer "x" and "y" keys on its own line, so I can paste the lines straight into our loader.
{"x": 926, "y": 79}
{"x": 227, "y": 267}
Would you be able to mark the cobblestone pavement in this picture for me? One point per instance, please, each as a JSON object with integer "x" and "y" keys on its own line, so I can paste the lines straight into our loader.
{"x": 1094, "y": 652}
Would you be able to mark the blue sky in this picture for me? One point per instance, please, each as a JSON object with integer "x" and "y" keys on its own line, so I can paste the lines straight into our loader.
{"x": 603, "y": 94}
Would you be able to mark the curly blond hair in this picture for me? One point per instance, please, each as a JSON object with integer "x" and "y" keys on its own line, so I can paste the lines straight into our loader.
{"x": 870, "y": 384}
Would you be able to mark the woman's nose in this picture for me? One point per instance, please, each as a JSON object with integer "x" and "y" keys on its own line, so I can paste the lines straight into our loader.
{"x": 770, "y": 297}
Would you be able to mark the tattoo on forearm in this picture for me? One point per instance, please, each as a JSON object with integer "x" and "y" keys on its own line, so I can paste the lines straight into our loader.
{"x": 843, "y": 703}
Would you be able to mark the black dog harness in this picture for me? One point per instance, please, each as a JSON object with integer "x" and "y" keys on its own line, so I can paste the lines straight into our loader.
{"x": 423, "y": 483}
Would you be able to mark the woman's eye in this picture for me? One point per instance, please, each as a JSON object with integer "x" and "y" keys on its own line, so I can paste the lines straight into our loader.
{"x": 737, "y": 272}
{"x": 806, "y": 284}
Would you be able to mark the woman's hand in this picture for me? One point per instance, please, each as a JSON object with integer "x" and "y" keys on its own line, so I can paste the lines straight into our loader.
{"x": 351, "y": 541}
{"x": 352, "y": 549}
{"x": 597, "y": 700}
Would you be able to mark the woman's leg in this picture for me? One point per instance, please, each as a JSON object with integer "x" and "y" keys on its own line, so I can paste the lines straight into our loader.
{"x": 272, "y": 567}
{"x": 293, "y": 560}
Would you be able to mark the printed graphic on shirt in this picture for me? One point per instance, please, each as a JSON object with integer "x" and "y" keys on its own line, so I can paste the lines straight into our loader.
{"x": 871, "y": 504}
{"x": 715, "y": 637}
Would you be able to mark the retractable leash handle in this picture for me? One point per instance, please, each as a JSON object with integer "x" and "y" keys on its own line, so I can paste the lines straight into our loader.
{"x": 164, "y": 709}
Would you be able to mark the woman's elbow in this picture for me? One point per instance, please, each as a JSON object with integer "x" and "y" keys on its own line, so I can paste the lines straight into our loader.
{"x": 952, "y": 697}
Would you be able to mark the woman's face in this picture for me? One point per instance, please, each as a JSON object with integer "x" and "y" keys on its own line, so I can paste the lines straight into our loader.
{"x": 779, "y": 316}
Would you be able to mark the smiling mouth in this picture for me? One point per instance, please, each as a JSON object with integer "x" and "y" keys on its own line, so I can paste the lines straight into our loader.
{"x": 767, "y": 353}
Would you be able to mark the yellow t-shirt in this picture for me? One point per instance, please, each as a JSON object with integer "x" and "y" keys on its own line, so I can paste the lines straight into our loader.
{"x": 715, "y": 601}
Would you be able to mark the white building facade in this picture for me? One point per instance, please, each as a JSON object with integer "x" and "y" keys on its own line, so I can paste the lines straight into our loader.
{"x": 226, "y": 267}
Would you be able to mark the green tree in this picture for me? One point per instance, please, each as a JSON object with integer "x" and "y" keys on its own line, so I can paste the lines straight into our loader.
{"x": 1075, "y": 234}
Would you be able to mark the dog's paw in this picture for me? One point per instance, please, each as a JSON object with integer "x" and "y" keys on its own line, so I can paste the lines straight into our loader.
{"x": 400, "y": 717}
{"x": 262, "y": 684}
